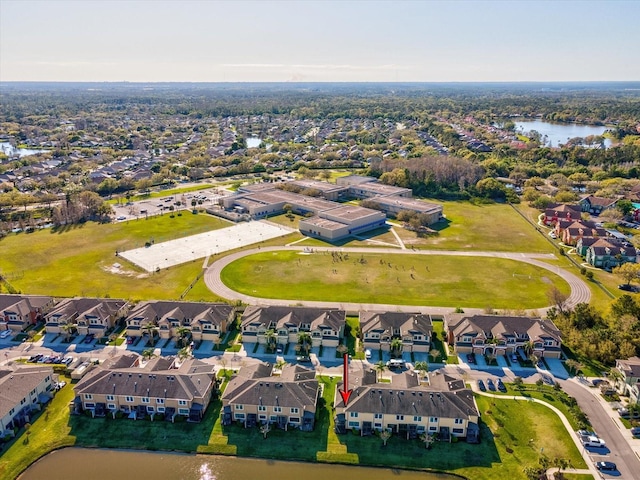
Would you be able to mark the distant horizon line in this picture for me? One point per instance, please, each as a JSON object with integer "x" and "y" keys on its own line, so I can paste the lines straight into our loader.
{"x": 322, "y": 82}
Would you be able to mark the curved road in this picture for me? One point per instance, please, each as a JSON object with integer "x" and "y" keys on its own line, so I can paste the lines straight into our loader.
{"x": 580, "y": 293}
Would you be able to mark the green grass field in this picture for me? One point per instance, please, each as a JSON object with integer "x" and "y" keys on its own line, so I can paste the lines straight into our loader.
{"x": 79, "y": 260}
{"x": 410, "y": 280}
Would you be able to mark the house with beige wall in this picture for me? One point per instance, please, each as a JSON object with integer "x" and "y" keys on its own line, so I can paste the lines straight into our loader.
{"x": 163, "y": 385}
{"x": 255, "y": 396}
{"x": 380, "y": 328}
{"x": 406, "y": 408}
{"x": 87, "y": 315}
{"x": 324, "y": 325}
{"x": 18, "y": 312}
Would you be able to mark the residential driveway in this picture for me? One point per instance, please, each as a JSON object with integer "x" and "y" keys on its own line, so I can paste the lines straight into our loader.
{"x": 481, "y": 362}
{"x": 421, "y": 357}
{"x": 502, "y": 362}
{"x": 556, "y": 368}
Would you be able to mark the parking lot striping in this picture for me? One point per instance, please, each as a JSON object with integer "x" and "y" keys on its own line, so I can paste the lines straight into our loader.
{"x": 186, "y": 249}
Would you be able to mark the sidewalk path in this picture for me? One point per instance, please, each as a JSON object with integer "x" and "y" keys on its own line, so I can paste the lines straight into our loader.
{"x": 580, "y": 293}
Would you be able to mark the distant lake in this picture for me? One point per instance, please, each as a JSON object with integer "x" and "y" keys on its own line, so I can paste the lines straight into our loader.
{"x": 559, "y": 133}
{"x": 253, "y": 142}
{"x": 10, "y": 150}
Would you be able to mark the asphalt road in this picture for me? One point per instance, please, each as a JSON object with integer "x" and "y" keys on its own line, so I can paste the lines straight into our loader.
{"x": 619, "y": 451}
{"x": 580, "y": 293}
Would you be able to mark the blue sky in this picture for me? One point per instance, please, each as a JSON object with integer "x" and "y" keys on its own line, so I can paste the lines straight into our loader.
{"x": 213, "y": 41}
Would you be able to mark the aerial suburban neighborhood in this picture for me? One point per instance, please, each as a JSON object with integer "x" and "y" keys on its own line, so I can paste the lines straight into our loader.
{"x": 445, "y": 292}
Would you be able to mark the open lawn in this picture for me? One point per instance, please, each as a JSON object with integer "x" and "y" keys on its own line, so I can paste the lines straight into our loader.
{"x": 393, "y": 279}
{"x": 80, "y": 260}
{"x": 162, "y": 193}
{"x": 495, "y": 227}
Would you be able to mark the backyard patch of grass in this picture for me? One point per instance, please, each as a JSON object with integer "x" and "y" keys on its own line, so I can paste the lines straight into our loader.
{"x": 590, "y": 367}
{"x": 394, "y": 279}
{"x": 76, "y": 260}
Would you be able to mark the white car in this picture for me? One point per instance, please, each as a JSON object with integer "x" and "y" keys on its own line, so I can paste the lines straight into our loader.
{"x": 591, "y": 441}
{"x": 5, "y": 333}
{"x": 552, "y": 234}
{"x": 367, "y": 354}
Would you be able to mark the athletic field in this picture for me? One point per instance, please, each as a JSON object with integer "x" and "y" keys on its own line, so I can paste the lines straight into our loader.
{"x": 183, "y": 250}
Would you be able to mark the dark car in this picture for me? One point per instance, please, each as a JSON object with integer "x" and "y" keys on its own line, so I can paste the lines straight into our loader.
{"x": 279, "y": 349}
{"x": 628, "y": 288}
{"x": 501, "y": 386}
{"x": 635, "y": 431}
{"x": 609, "y": 466}
{"x": 89, "y": 338}
{"x": 481, "y": 386}
{"x": 471, "y": 358}
{"x": 491, "y": 385}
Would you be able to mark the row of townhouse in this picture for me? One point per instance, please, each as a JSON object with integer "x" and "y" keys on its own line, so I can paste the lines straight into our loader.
{"x": 503, "y": 335}
{"x": 162, "y": 386}
{"x": 282, "y": 325}
{"x": 19, "y": 312}
{"x": 406, "y": 407}
{"x": 23, "y": 391}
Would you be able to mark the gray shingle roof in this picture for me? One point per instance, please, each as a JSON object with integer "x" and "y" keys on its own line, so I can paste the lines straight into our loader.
{"x": 281, "y": 316}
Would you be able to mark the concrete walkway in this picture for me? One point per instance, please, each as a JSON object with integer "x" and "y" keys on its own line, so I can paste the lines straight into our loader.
{"x": 580, "y": 293}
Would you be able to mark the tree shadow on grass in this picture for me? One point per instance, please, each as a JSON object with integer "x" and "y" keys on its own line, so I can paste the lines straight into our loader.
{"x": 67, "y": 228}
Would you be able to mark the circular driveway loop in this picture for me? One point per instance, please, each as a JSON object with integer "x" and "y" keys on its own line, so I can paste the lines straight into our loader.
{"x": 580, "y": 293}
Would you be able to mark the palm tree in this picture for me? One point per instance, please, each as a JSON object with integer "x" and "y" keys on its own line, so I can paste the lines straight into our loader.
{"x": 385, "y": 435}
{"x": 148, "y": 354}
{"x": 271, "y": 338}
{"x": 68, "y": 328}
{"x": 380, "y": 368}
{"x": 264, "y": 429}
{"x": 528, "y": 347}
{"x": 427, "y": 439}
{"x": 184, "y": 353}
{"x": 422, "y": 367}
{"x": 573, "y": 365}
{"x": 182, "y": 332}
{"x": 304, "y": 343}
{"x": 279, "y": 365}
{"x": 435, "y": 354}
{"x": 615, "y": 376}
{"x": 150, "y": 329}
{"x": 396, "y": 346}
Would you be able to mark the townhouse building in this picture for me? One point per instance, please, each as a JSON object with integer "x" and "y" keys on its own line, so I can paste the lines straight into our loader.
{"x": 380, "y": 328}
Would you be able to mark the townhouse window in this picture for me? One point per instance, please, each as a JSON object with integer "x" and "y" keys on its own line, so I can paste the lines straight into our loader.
{"x": 399, "y": 417}
{"x": 160, "y": 409}
{"x": 88, "y": 396}
{"x": 417, "y": 418}
{"x": 183, "y": 411}
{"x": 458, "y": 430}
{"x": 273, "y": 418}
{"x": 277, "y": 409}
{"x": 128, "y": 399}
{"x": 90, "y": 405}
{"x": 433, "y": 429}
{"x": 150, "y": 409}
{"x": 294, "y": 410}
{"x": 458, "y": 421}
{"x": 353, "y": 414}
{"x": 110, "y": 398}
{"x": 262, "y": 408}
{"x": 33, "y": 391}
{"x": 160, "y": 401}
{"x": 433, "y": 419}
{"x": 377, "y": 426}
{"x": 354, "y": 424}
{"x": 239, "y": 416}
{"x": 378, "y": 416}
{"x": 47, "y": 379}
{"x": 294, "y": 419}
{"x": 12, "y": 411}
{"x": 182, "y": 402}
{"x": 145, "y": 399}
{"x": 239, "y": 407}
{"x": 111, "y": 406}
{"x": 262, "y": 417}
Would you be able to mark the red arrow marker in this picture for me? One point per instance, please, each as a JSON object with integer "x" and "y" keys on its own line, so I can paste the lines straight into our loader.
{"x": 345, "y": 392}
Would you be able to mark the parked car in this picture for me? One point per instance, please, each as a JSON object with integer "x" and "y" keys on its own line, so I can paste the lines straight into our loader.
{"x": 635, "y": 431}
{"x": 491, "y": 385}
{"x": 591, "y": 441}
{"x": 608, "y": 466}
{"x": 586, "y": 433}
{"x": 514, "y": 358}
{"x": 367, "y": 354}
{"x": 279, "y": 349}
{"x": 481, "y": 386}
{"x": 129, "y": 340}
{"x": 121, "y": 217}
{"x": 552, "y": 234}
{"x": 5, "y": 333}
{"x": 303, "y": 359}
{"x": 501, "y": 386}
{"x": 89, "y": 338}
{"x": 471, "y": 358}
{"x": 395, "y": 363}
